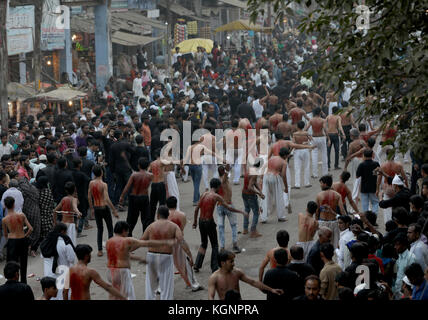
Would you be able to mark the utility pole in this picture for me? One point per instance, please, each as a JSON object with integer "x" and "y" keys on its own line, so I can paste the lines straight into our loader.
{"x": 168, "y": 40}
{"x": 37, "y": 58}
{"x": 4, "y": 62}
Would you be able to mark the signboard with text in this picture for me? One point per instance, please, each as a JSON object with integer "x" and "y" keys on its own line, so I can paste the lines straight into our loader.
{"x": 20, "y": 28}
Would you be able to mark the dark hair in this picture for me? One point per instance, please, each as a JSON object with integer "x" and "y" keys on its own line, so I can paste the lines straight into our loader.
{"x": 171, "y": 202}
{"x": 215, "y": 183}
{"x": 69, "y": 187}
{"x": 97, "y": 170}
{"x": 363, "y": 237}
{"x": 335, "y": 109}
{"x": 424, "y": 168}
{"x": 281, "y": 256}
{"x": 400, "y": 215}
{"x": 371, "y": 217}
{"x": 300, "y": 124}
{"x": 316, "y": 111}
{"x": 143, "y": 163}
{"x": 345, "y": 175}
{"x": 282, "y": 237}
{"x": 401, "y": 239}
{"x": 328, "y": 250}
{"x": 414, "y": 271}
{"x": 163, "y": 212}
{"x": 121, "y": 226}
{"x": 139, "y": 139}
{"x": 345, "y": 219}
{"x": 312, "y": 207}
{"x": 51, "y": 157}
{"x": 327, "y": 179}
{"x": 359, "y": 251}
{"x": 59, "y": 227}
{"x": 224, "y": 255}
{"x": 61, "y": 163}
{"x": 368, "y": 153}
{"x": 48, "y": 282}
{"x": 417, "y": 201}
{"x": 313, "y": 277}
{"x": 77, "y": 162}
{"x": 362, "y": 127}
{"x": 297, "y": 252}
{"x": 9, "y": 202}
{"x": 371, "y": 142}
{"x": 390, "y": 225}
{"x": 285, "y": 117}
{"x": 82, "y": 250}
{"x": 284, "y": 152}
{"x": 343, "y": 278}
{"x": 82, "y": 151}
{"x": 11, "y": 269}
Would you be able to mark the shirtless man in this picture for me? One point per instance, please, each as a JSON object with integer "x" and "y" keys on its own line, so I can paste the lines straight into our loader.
{"x": 274, "y": 186}
{"x": 181, "y": 261}
{"x": 139, "y": 204}
{"x": 118, "y": 258}
{"x": 250, "y": 191}
{"x": 284, "y": 127}
{"x": 320, "y": 138}
{"x": 308, "y": 103}
{"x": 276, "y": 118}
{"x": 334, "y": 128}
{"x": 329, "y": 206}
{"x": 17, "y": 241}
{"x": 208, "y": 161}
{"x": 207, "y": 226}
{"x": 226, "y": 192}
{"x": 160, "y": 262}
{"x": 68, "y": 208}
{"x": 301, "y": 156}
{"x": 80, "y": 277}
{"x": 227, "y": 278}
{"x": 99, "y": 203}
{"x": 308, "y": 226}
{"x": 158, "y": 189}
{"x": 264, "y": 120}
{"x": 282, "y": 238}
{"x": 49, "y": 288}
{"x": 355, "y": 157}
{"x": 388, "y": 135}
{"x": 234, "y": 145}
{"x": 297, "y": 113}
{"x": 389, "y": 168}
{"x": 343, "y": 190}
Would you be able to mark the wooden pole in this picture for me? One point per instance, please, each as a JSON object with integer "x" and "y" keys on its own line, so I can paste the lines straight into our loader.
{"x": 4, "y": 61}
{"x": 37, "y": 60}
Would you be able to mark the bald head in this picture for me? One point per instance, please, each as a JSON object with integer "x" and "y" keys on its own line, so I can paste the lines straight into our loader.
{"x": 324, "y": 234}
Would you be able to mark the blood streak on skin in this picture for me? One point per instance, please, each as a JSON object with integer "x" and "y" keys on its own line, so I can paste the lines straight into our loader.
{"x": 66, "y": 204}
{"x": 177, "y": 221}
{"x": 96, "y": 194}
{"x": 112, "y": 250}
{"x": 155, "y": 169}
{"x": 157, "y": 235}
{"x": 76, "y": 286}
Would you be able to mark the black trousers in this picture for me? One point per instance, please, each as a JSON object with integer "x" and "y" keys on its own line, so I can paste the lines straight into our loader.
{"x": 157, "y": 195}
{"x": 334, "y": 138}
{"x": 100, "y": 214}
{"x": 208, "y": 230}
{"x": 139, "y": 206}
{"x": 17, "y": 250}
{"x": 346, "y": 141}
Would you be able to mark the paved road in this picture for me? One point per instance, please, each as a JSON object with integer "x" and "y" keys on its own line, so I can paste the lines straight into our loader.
{"x": 249, "y": 261}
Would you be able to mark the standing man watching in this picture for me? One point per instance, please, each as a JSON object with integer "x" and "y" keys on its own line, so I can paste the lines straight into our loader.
{"x": 369, "y": 187}
{"x": 13, "y": 290}
{"x": 334, "y": 128}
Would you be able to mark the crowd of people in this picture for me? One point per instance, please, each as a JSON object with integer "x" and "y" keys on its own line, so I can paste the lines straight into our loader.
{"x": 61, "y": 170}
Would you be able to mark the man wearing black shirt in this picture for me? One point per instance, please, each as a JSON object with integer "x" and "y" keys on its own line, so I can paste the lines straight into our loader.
{"x": 401, "y": 197}
{"x": 62, "y": 176}
{"x": 13, "y": 290}
{"x": 120, "y": 153}
{"x": 245, "y": 110}
{"x": 282, "y": 278}
{"x": 140, "y": 151}
{"x": 312, "y": 289}
{"x": 314, "y": 257}
{"x": 299, "y": 266}
{"x": 87, "y": 165}
{"x": 369, "y": 190}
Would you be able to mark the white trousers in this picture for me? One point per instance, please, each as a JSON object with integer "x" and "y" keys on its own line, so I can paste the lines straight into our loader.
{"x": 355, "y": 162}
{"x": 208, "y": 163}
{"x": 186, "y": 173}
{"x": 301, "y": 162}
{"x": 71, "y": 232}
{"x": 160, "y": 274}
{"x": 306, "y": 246}
{"x": 182, "y": 264}
{"x": 321, "y": 146}
{"x": 173, "y": 187}
{"x": 273, "y": 189}
{"x": 120, "y": 279}
{"x": 234, "y": 157}
{"x": 387, "y": 212}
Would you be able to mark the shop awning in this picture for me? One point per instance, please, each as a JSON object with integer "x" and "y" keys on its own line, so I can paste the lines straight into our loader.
{"x": 131, "y": 40}
{"x": 180, "y": 10}
{"x": 65, "y": 93}
{"x": 18, "y": 91}
{"x": 242, "y": 25}
{"x": 235, "y": 3}
{"x": 127, "y": 20}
